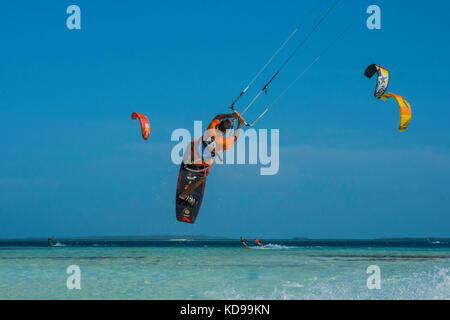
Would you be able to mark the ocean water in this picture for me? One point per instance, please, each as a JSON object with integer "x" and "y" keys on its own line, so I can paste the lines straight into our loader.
{"x": 224, "y": 270}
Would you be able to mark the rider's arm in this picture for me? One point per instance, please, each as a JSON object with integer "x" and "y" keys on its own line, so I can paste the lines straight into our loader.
{"x": 237, "y": 132}
{"x": 228, "y": 142}
{"x": 218, "y": 118}
{"x": 225, "y": 116}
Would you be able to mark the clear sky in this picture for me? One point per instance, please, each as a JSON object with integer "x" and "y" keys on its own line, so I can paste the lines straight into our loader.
{"x": 72, "y": 162}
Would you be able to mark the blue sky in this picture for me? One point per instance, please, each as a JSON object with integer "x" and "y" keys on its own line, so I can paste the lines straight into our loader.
{"x": 72, "y": 162}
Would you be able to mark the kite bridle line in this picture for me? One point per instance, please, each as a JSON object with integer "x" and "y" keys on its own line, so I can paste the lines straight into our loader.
{"x": 305, "y": 39}
{"x": 263, "y": 68}
{"x": 306, "y": 70}
{"x": 306, "y": 17}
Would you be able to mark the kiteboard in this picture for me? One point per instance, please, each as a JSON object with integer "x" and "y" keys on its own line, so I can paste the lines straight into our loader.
{"x": 185, "y": 212}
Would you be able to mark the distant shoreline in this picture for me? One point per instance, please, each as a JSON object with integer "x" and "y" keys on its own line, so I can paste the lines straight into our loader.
{"x": 208, "y": 238}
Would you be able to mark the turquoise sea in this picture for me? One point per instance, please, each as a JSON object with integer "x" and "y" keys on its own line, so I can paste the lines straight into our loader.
{"x": 183, "y": 269}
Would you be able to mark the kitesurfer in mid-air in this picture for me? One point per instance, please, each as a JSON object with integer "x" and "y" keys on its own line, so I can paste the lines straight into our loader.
{"x": 243, "y": 241}
{"x": 201, "y": 153}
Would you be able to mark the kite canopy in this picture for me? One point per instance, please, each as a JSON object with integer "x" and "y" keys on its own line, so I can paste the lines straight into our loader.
{"x": 382, "y": 79}
{"x": 145, "y": 124}
{"x": 405, "y": 109}
{"x": 380, "y": 93}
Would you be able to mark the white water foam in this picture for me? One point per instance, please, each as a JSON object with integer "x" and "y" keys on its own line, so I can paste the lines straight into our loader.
{"x": 273, "y": 246}
{"x": 59, "y": 244}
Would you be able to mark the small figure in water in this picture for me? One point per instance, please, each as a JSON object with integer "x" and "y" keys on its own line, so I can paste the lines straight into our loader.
{"x": 243, "y": 241}
{"x": 259, "y": 243}
{"x": 50, "y": 243}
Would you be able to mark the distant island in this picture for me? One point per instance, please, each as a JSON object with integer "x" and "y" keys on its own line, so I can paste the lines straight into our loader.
{"x": 414, "y": 239}
{"x": 206, "y": 238}
{"x": 123, "y": 238}
{"x": 156, "y": 237}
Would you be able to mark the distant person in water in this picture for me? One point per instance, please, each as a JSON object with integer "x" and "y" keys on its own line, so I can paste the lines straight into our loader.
{"x": 259, "y": 243}
{"x": 243, "y": 241}
{"x": 50, "y": 243}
